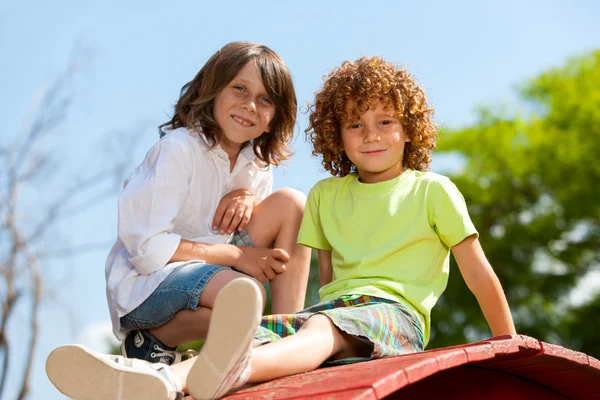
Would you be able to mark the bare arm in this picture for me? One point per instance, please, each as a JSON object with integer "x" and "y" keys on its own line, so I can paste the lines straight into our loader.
{"x": 325, "y": 267}
{"x": 220, "y": 254}
{"x": 261, "y": 263}
{"x": 483, "y": 282}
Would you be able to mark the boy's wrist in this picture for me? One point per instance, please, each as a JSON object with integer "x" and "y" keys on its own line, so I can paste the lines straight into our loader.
{"x": 223, "y": 254}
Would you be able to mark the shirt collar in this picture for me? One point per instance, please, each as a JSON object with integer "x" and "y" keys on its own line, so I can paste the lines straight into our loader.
{"x": 247, "y": 153}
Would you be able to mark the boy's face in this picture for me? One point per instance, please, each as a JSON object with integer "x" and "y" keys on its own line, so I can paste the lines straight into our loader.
{"x": 243, "y": 109}
{"x": 374, "y": 143}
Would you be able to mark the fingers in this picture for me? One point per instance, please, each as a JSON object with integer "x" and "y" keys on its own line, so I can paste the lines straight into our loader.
{"x": 280, "y": 255}
{"x": 262, "y": 278}
{"x": 245, "y": 219}
{"x": 268, "y": 267}
{"x": 263, "y": 264}
{"x": 234, "y": 211}
{"x": 276, "y": 265}
{"x": 237, "y": 214}
{"x": 219, "y": 214}
{"x": 236, "y": 218}
{"x": 270, "y": 273}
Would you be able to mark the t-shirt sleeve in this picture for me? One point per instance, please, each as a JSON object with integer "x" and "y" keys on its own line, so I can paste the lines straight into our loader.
{"x": 311, "y": 230}
{"x": 449, "y": 215}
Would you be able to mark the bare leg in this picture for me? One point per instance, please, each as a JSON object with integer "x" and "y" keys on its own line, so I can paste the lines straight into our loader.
{"x": 275, "y": 223}
{"x": 188, "y": 325}
{"x": 316, "y": 342}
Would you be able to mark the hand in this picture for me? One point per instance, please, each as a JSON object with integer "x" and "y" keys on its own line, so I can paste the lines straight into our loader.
{"x": 261, "y": 263}
{"x": 234, "y": 210}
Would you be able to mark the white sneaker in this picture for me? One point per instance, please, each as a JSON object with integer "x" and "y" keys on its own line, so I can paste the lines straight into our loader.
{"x": 83, "y": 374}
{"x": 224, "y": 361}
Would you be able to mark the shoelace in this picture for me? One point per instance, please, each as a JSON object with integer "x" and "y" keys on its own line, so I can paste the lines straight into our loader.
{"x": 163, "y": 355}
{"x": 189, "y": 353}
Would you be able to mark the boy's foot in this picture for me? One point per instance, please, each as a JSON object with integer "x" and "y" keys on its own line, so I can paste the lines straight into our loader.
{"x": 83, "y": 374}
{"x": 145, "y": 346}
{"x": 224, "y": 361}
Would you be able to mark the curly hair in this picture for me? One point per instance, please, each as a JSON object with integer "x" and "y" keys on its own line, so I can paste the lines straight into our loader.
{"x": 369, "y": 81}
{"x": 194, "y": 109}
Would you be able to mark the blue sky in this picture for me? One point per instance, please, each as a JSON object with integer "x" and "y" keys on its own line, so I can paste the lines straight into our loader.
{"x": 464, "y": 53}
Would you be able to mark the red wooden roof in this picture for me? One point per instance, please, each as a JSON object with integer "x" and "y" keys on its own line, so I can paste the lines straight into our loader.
{"x": 505, "y": 367}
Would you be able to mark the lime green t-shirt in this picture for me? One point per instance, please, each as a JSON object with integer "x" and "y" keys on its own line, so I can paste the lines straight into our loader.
{"x": 390, "y": 239}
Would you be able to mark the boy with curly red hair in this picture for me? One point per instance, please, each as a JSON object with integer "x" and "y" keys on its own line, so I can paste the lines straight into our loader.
{"x": 383, "y": 227}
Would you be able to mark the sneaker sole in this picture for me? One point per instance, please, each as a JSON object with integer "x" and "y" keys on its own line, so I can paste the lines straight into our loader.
{"x": 80, "y": 374}
{"x": 235, "y": 317}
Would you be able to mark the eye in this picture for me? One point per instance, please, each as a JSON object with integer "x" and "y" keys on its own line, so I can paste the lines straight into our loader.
{"x": 386, "y": 122}
{"x": 239, "y": 88}
{"x": 354, "y": 126}
{"x": 266, "y": 100}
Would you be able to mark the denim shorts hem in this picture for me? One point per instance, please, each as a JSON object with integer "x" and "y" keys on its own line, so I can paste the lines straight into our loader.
{"x": 181, "y": 290}
{"x": 200, "y": 286}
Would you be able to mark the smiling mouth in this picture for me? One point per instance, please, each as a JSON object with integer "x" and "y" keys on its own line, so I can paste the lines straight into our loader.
{"x": 242, "y": 121}
{"x": 373, "y": 152}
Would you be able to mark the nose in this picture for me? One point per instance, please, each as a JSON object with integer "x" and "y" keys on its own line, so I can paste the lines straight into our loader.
{"x": 370, "y": 135}
{"x": 249, "y": 105}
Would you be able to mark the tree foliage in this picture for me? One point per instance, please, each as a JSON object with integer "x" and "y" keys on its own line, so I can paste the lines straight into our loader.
{"x": 531, "y": 180}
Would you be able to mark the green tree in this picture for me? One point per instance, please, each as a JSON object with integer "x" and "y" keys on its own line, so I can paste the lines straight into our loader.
{"x": 531, "y": 180}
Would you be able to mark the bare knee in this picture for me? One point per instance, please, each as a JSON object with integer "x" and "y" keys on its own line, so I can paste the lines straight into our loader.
{"x": 289, "y": 200}
{"x": 343, "y": 345}
{"x": 218, "y": 281}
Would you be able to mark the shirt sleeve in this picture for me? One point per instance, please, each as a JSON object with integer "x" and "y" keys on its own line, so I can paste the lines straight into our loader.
{"x": 449, "y": 214}
{"x": 311, "y": 232}
{"x": 150, "y": 201}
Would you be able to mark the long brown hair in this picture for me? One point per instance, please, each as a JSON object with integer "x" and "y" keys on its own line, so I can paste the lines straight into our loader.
{"x": 194, "y": 109}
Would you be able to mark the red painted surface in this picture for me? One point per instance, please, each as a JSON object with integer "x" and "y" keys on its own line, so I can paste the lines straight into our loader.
{"x": 507, "y": 367}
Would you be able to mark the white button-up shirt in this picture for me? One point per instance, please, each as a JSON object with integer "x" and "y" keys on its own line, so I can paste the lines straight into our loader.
{"x": 172, "y": 194}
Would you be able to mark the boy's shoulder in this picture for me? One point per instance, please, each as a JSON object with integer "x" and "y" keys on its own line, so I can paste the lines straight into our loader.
{"x": 429, "y": 177}
{"x": 181, "y": 135}
{"x": 333, "y": 183}
{"x": 185, "y": 142}
{"x": 435, "y": 186}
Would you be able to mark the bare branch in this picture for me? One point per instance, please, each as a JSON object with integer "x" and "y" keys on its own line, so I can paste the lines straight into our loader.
{"x": 5, "y": 356}
{"x": 21, "y": 162}
{"x": 29, "y": 350}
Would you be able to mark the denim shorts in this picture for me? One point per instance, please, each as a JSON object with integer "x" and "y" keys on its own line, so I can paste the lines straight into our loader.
{"x": 180, "y": 290}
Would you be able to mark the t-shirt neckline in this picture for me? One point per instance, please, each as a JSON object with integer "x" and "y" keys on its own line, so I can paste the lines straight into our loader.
{"x": 378, "y": 189}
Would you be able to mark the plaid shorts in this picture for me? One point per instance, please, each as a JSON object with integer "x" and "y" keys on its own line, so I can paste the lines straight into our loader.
{"x": 390, "y": 327}
{"x": 240, "y": 239}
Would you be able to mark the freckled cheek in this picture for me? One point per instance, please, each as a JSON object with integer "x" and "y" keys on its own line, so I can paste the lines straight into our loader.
{"x": 395, "y": 136}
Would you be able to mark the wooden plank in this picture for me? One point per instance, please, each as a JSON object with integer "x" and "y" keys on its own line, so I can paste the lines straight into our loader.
{"x": 545, "y": 367}
{"x": 473, "y": 383}
{"x": 354, "y": 394}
